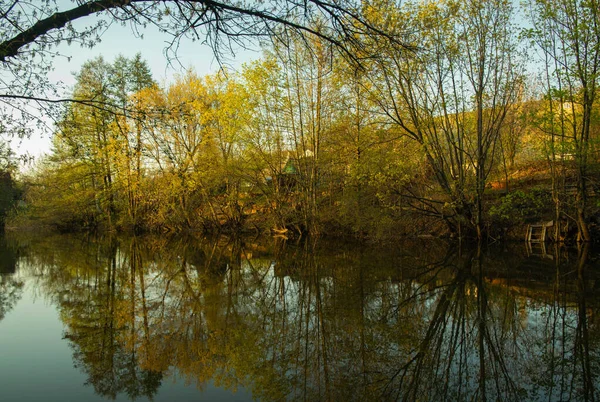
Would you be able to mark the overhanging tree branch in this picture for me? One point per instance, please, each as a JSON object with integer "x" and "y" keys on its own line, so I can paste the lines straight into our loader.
{"x": 226, "y": 18}
{"x": 10, "y": 48}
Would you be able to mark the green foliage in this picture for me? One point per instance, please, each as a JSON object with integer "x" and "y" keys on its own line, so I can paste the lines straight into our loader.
{"x": 519, "y": 206}
{"x": 8, "y": 196}
{"x": 8, "y": 189}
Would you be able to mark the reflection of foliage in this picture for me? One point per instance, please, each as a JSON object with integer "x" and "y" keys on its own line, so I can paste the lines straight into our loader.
{"x": 8, "y": 258}
{"x": 11, "y": 291}
{"x": 83, "y": 279}
{"x": 325, "y": 322}
{"x": 113, "y": 370}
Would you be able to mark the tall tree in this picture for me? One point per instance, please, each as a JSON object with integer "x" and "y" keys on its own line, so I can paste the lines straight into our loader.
{"x": 309, "y": 100}
{"x": 452, "y": 96}
{"x": 568, "y": 34}
{"x": 128, "y": 78}
{"x": 88, "y": 130}
{"x": 100, "y": 147}
{"x": 265, "y": 142}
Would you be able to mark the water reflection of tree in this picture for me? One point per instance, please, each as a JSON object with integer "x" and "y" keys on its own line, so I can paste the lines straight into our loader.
{"x": 460, "y": 352}
{"x": 11, "y": 289}
{"x": 88, "y": 281}
{"x": 308, "y": 323}
{"x": 569, "y": 348}
{"x": 484, "y": 341}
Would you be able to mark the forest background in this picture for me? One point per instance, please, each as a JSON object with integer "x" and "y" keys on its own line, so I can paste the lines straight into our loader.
{"x": 440, "y": 118}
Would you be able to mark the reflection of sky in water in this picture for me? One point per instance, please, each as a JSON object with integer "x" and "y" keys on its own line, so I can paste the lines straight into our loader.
{"x": 35, "y": 362}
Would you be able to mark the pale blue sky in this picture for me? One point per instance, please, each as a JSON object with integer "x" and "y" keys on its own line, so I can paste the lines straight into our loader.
{"x": 121, "y": 40}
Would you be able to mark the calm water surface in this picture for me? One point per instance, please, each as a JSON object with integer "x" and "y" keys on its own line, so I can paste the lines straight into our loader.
{"x": 86, "y": 319}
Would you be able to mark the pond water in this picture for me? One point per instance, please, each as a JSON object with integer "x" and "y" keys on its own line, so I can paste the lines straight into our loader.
{"x": 86, "y": 319}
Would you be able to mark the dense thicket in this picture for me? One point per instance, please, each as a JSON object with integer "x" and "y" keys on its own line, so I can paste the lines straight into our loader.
{"x": 424, "y": 138}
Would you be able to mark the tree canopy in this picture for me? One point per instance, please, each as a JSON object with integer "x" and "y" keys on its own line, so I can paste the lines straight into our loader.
{"x": 31, "y": 32}
{"x": 356, "y": 118}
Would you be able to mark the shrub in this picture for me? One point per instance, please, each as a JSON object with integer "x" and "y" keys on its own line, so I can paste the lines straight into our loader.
{"x": 520, "y": 207}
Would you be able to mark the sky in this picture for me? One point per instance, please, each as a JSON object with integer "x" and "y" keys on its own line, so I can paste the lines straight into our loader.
{"x": 120, "y": 39}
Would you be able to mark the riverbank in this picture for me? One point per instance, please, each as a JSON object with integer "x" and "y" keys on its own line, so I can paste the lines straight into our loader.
{"x": 523, "y": 196}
